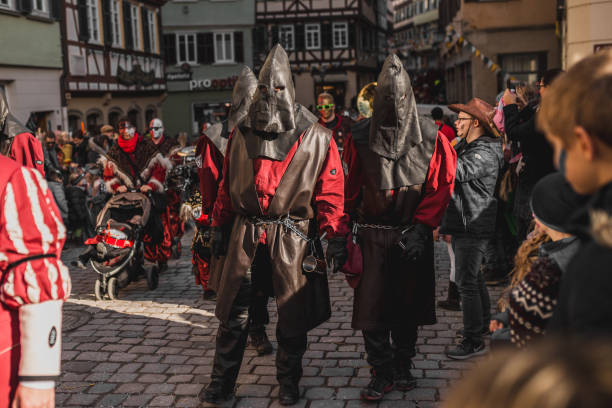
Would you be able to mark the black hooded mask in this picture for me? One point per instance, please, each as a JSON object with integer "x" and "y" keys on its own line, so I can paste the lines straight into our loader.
{"x": 274, "y": 122}
{"x": 242, "y": 96}
{"x": 394, "y": 128}
{"x": 400, "y": 144}
{"x": 9, "y": 127}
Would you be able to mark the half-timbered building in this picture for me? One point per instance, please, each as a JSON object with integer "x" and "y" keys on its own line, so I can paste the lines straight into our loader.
{"x": 333, "y": 45}
{"x": 112, "y": 61}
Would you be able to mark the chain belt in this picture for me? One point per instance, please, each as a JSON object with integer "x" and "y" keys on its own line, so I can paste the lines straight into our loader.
{"x": 357, "y": 226}
{"x": 285, "y": 221}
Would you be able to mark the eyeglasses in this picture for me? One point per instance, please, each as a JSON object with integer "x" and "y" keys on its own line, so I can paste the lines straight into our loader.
{"x": 325, "y": 107}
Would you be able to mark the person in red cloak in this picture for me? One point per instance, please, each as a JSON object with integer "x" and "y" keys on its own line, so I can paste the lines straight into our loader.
{"x": 401, "y": 173}
{"x": 135, "y": 163}
{"x": 35, "y": 283}
{"x": 18, "y": 143}
{"x": 340, "y": 126}
{"x": 174, "y": 226}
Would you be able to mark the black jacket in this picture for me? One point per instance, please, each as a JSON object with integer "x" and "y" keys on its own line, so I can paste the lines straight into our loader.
{"x": 537, "y": 153}
{"x": 77, "y": 204}
{"x": 585, "y": 298}
{"x": 473, "y": 206}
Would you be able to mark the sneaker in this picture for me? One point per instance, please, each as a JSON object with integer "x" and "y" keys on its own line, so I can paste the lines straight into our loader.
{"x": 288, "y": 394}
{"x": 216, "y": 393}
{"x": 402, "y": 377}
{"x": 259, "y": 340}
{"x": 467, "y": 349}
{"x": 377, "y": 388}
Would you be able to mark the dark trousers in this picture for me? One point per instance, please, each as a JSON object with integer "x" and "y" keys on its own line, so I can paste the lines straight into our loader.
{"x": 382, "y": 353}
{"x": 247, "y": 312}
{"x": 475, "y": 302}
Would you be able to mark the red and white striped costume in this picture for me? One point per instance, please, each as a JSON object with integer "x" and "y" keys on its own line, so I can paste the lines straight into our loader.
{"x": 34, "y": 281}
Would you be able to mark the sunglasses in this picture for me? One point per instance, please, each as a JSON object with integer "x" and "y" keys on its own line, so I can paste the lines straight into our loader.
{"x": 156, "y": 128}
{"x": 325, "y": 107}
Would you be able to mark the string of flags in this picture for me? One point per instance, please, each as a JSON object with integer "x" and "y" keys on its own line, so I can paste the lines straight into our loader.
{"x": 459, "y": 40}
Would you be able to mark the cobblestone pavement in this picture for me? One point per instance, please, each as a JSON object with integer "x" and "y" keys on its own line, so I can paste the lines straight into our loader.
{"x": 155, "y": 348}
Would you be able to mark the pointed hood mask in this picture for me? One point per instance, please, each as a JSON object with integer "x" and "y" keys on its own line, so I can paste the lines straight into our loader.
{"x": 394, "y": 128}
{"x": 272, "y": 110}
{"x": 274, "y": 121}
{"x": 242, "y": 96}
{"x": 9, "y": 126}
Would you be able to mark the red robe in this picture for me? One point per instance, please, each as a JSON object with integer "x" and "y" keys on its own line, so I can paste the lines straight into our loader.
{"x": 31, "y": 239}
{"x": 328, "y": 197}
{"x": 27, "y": 151}
{"x": 340, "y": 132}
{"x": 438, "y": 185}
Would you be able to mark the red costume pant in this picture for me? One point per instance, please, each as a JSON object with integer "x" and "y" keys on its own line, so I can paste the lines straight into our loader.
{"x": 161, "y": 251}
{"x": 9, "y": 354}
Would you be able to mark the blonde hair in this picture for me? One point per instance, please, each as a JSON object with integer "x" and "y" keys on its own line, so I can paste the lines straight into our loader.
{"x": 552, "y": 373}
{"x": 524, "y": 259}
{"x": 580, "y": 97}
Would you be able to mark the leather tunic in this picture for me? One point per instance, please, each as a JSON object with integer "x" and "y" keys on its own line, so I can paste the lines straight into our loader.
{"x": 303, "y": 301}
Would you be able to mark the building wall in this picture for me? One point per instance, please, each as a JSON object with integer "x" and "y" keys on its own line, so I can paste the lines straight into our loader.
{"x": 507, "y": 14}
{"x": 588, "y": 25}
{"x": 203, "y": 13}
{"x": 32, "y": 43}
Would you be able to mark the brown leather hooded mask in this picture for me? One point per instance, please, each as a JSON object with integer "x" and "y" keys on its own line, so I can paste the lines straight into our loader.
{"x": 272, "y": 110}
{"x": 275, "y": 121}
{"x": 242, "y": 96}
{"x": 394, "y": 128}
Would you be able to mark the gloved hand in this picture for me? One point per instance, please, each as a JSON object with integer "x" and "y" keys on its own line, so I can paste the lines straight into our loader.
{"x": 412, "y": 242}
{"x": 336, "y": 251}
{"x": 219, "y": 240}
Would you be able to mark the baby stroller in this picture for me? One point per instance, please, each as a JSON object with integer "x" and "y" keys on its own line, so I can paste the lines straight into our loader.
{"x": 119, "y": 256}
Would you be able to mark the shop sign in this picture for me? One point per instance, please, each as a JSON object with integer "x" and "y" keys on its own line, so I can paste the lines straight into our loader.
{"x": 178, "y": 76}
{"x": 135, "y": 77}
{"x": 212, "y": 84}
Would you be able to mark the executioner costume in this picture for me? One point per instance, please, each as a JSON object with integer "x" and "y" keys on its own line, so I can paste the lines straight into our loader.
{"x": 210, "y": 151}
{"x": 400, "y": 179}
{"x": 282, "y": 186}
{"x": 34, "y": 282}
{"x": 18, "y": 143}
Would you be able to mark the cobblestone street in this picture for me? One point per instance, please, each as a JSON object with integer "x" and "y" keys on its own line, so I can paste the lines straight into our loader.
{"x": 155, "y": 348}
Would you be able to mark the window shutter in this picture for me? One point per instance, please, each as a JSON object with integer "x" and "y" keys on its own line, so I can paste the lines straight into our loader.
{"x": 83, "y": 22}
{"x": 159, "y": 30}
{"x": 127, "y": 25}
{"x": 326, "y": 36}
{"x": 56, "y": 9}
{"x": 259, "y": 39}
{"x": 206, "y": 48}
{"x": 351, "y": 35}
{"x": 145, "y": 28}
{"x": 25, "y": 6}
{"x": 106, "y": 22}
{"x": 169, "y": 41}
{"x": 299, "y": 37}
{"x": 238, "y": 46}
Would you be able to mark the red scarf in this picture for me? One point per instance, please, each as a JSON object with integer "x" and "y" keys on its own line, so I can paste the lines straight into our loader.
{"x": 128, "y": 146}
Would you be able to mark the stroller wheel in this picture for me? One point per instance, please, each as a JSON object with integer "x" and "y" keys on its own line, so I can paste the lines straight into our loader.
{"x": 152, "y": 275}
{"x": 113, "y": 289}
{"x": 98, "y": 291}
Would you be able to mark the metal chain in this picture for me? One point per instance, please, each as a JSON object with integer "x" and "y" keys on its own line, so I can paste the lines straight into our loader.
{"x": 287, "y": 222}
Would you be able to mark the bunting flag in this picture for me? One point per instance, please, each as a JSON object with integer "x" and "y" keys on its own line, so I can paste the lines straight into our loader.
{"x": 460, "y": 40}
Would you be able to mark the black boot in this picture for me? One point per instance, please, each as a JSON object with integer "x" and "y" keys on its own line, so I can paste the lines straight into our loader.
{"x": 209, "y": 294}
{"x": 380, "y": 384}
{"x": 259, "y": 340}
{"x": 216, "y": 393}
{"x": 288, "y": 393}
{"x": 452, "y": 301}
{"x": 404, "y": 381}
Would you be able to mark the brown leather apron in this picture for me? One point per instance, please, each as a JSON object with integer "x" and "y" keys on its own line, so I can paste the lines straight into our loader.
{"x": 302, "y": 301}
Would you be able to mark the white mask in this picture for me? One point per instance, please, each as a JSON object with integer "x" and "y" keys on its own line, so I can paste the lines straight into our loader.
{"x": 157, "y": 128}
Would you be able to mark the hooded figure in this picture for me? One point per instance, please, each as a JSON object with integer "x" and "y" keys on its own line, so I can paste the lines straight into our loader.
{"x": 399, "y": 182}
{"x": 260, "y": 220}
{"x": 275, "y": 121}
{"x": 18, "y": 143}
